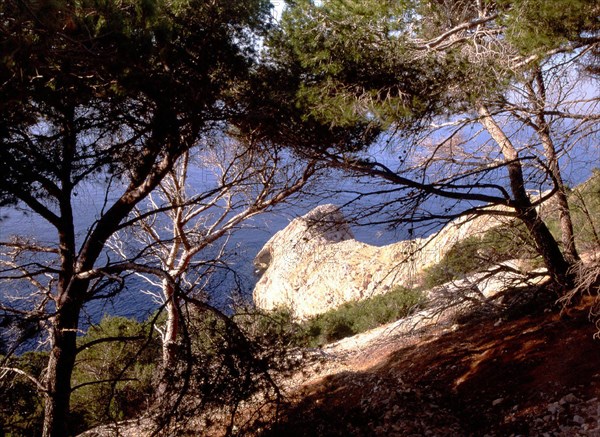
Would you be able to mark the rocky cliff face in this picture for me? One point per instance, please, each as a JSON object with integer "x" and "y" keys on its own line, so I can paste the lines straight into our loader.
{"x": 315, "y": 264}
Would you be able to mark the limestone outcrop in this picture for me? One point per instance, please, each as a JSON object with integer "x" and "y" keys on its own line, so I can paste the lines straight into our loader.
{"x": 315, "y": 264}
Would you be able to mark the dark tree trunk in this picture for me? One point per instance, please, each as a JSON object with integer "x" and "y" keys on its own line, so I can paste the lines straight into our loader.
{"x": 65, "y": 323}
{"x": 59, "y": 370}
{"x": 566, "y": 225}
{"x": 543, "y": 129}
{"x": 546, "y": 244}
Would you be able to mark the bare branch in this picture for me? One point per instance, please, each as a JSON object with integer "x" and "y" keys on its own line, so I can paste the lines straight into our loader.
{"x": 107, "y": 340}
{"x": 41, "y": 387}
{"x": 435, "y": 42}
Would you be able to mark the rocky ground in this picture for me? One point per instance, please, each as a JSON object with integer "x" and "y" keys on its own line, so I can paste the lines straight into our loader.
{"x": 526, "y": 370}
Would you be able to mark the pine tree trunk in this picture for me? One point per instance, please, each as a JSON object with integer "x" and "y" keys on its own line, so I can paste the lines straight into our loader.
{"x": 546, "y": 245}
{"x": 566, "y": 227}
{"x": 562, "y": 203}
{"x": 59, "y": 371}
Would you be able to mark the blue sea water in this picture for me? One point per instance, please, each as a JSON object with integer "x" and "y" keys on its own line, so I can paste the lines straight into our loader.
{"x": 243, "y": 244}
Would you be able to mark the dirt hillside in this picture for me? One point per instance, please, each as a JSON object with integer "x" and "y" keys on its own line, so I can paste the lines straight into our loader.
{"x": 527, "y": 370}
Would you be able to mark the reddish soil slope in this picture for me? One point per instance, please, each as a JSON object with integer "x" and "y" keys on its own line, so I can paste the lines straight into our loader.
{"x": 528, "y": 371}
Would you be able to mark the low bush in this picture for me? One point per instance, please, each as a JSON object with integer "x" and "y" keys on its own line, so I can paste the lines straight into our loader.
{"x": 460, "y": 259}
{"x": 278, "y": 326}
{"x": 346, "y": 320}
{"x": 111, "y": 381}
{"x": 476, "y": 253}
{"x": 584, "y": 201}
{"x": 355, "y": 317}
{"x": 115, "y": 376}
{"x": 21, "y": 405}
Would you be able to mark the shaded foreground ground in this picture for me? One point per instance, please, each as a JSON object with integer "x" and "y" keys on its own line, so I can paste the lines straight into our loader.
{"x": 501, "y": 374}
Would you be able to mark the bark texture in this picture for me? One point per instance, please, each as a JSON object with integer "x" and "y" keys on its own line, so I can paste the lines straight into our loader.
{"x": 555, "y": 262}
{"x": 59, "y": 370}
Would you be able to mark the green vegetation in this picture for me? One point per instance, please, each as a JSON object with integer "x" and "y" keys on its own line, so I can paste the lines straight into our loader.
{"x": 537, "y": 25}
{"x": 460, "y": 259}
{"x": 476, "y": 253}
{"x": 584, "y": 202}
{"x": 346, "y": 320}
{"x": 277, "y": 326}
{"x": 116, "y": 376}
{"x": 21, "y": 406}
{"x": 112, "y": 381}
{"x": 355, "y": 317}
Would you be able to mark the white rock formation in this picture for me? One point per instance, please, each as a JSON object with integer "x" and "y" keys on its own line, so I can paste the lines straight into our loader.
{"x": 315, "y": 264}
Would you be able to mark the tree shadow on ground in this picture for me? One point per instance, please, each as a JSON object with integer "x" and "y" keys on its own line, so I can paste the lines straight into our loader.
{"x": 525, "y": 371}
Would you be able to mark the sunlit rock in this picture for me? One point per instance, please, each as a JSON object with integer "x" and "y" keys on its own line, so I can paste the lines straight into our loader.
{"x": 315, "y": 264}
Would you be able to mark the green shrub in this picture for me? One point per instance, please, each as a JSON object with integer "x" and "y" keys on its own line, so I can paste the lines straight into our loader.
{"x": 21, "y": 404}
{"x": 113, "y": 380}
{"x": 337, "y": 326}
{"x": 355, "y": 317}
{"x": 278, "y": 325}
{"x": 584, "y": 202}
{"x": 348, "y": 319}
{"x": 476, "y": 253}
{"x": 460, "y": 259}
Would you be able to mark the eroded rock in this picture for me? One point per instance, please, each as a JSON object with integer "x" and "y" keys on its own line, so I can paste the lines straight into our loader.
{"x": 315, "y": 264}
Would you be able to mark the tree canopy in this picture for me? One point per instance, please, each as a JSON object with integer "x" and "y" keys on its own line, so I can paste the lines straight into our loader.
{"x": 434, "y": 75}
{"x": 111, "y": 92}
{"x": 479, "y": 100}
{"x": 401, "y": 61}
